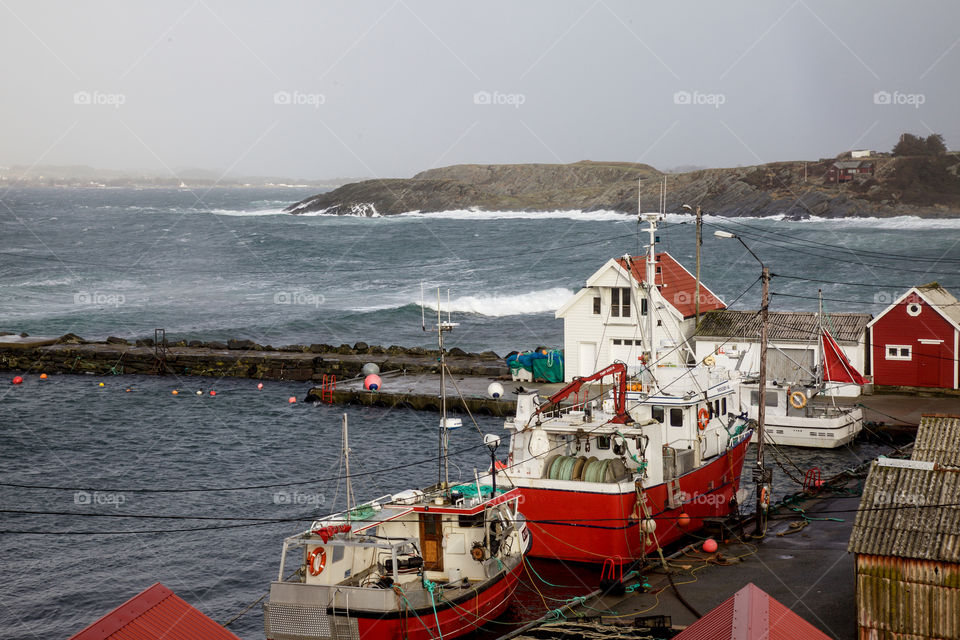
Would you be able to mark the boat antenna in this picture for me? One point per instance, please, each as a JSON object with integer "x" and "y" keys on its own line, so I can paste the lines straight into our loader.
{"x": 346, "y": 457}
{"x": 423, "y": 314}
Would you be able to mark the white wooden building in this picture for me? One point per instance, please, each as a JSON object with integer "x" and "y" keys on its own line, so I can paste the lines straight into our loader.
{"x": 607, "y": 320}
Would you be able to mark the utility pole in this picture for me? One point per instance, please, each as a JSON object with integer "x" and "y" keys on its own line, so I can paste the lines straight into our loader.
{"x": 696, "y": 323}
{"x": 760, "y": 474}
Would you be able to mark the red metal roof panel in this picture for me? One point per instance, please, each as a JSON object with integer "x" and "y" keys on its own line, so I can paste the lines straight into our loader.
{"x": 751, "y": 614}
{"x": 154, "y": 614}
{"x": 677, "y": 285}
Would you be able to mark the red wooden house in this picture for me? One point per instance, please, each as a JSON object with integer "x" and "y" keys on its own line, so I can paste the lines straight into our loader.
{"x": 914, "y": 341}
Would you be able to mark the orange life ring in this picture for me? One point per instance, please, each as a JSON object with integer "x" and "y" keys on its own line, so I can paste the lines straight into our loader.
{"x": 703, "y": 418}
{"x": 765, "y": 497}
{"x": 798, "y": 399}
{"x": 312, "y": 566}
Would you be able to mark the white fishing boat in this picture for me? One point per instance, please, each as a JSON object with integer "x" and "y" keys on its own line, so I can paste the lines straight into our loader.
{"x": 420, "y": 564}
{"x": 806, "y": 414}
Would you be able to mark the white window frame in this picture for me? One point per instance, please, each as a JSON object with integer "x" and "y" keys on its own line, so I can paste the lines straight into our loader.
{"x": 899, "y": 348}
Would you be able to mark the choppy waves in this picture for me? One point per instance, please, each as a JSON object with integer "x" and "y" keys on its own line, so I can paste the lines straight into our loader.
{"x": 493, "y": 305}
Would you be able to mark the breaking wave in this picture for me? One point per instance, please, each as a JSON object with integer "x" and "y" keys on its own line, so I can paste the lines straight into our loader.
{"x": 493, "y": 305}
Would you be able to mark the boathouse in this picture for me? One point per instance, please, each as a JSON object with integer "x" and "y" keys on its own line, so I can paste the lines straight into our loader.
{"x": 793, "y": 338}
{"x": 607, "y": 320}
{"x": 156, "y": 613}
{"x": 906, "y": 539}
{"x": 914, "y": 342}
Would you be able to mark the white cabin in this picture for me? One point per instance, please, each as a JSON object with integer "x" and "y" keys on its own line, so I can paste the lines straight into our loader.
{"x": 607, "y": 320}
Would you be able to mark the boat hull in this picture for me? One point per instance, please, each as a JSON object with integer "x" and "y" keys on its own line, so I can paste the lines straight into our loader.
{"x": 455, "y": 618}
{"x": 815, "y": 432}
{"x": 582, "y": 525}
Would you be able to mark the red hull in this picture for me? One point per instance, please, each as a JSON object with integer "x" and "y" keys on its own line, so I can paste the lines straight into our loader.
{"x": 455, "y": 620}
{"x": 590, "y": 527}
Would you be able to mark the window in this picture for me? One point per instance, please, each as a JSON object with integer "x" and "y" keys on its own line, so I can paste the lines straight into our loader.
{"x": 617, "y": 341}
{"x": 643, "y": 306}
{"x": 603, "y": 442}
{"x": 899, "y": 352}
{"x": 620, "y": 302}
{"x": 914, "y": 309}
{"x": 596, "y": 305}
{"x": 656, "y": 412}
{"x": 476, "y": 520}
{"x": 676, "y": 417}
{"x": 723, "y": 406}
{"x": 770, "y": 400}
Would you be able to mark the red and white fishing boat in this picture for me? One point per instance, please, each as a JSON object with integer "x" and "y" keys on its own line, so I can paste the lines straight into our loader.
{"x": 416, "y": 565}
{"x": 637, "y": 470}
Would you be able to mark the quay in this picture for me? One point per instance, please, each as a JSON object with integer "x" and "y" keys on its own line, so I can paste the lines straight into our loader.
{"x": 802, "y": 561}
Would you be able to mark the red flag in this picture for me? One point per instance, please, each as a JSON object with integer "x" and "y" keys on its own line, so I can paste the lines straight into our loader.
{"x": 836, "y": 367}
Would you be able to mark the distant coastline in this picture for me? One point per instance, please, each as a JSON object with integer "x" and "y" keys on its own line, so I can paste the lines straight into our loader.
{"x": 888, "y": 186}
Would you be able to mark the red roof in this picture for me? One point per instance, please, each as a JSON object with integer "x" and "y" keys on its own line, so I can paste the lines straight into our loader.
{"x": 154, "y": 614}
{"x": 751, "y": 614}
{"x": 677, "y": 285}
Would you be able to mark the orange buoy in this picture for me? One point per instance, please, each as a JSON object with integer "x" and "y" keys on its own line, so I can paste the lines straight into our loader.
{"x": 710, "y": 545}
{"x": 128, "y": 389}
{"x": 17, "y": 380}
{"x": 372, "y": 382}
{"x": 212, "y": 392}
{"x": 292, "y": 400}
{"x": 174, "y": 392}
{"x": 43, "y": 376}
{"x": 683, "y": 520}
{"x": 260, "y": 385}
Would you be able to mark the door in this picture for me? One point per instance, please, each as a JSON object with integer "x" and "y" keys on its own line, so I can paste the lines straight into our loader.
{"x": 587, "y": 358}
{"x": 431, "y": 541}
{"x": 928, "y": 364}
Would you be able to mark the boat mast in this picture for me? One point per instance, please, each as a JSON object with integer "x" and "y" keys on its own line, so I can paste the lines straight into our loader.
{"x": 443, "y": 468}
{"x": 650, "y": 278}
{"x": 346, "y": 457}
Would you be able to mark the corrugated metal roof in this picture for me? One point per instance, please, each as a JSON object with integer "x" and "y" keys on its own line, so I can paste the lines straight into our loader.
{"x": 938, "y": 440}
{"x": 945, "y": 301}
{"x": 898, "y": 517}
{"x": 848, "y": 164}
{"x": 751, "y": 613}
{"x": 677, "y": 285}
{"x": 793, "y": 326}
{"x": 154, "y": 614}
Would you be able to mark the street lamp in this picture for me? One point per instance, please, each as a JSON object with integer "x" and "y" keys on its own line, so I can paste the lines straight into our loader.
{"x": 761, "y": 476}
{"x": 492, "y": 441}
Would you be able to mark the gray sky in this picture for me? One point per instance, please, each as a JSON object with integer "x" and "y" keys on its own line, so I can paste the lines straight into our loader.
{"x": 323, "y": 89}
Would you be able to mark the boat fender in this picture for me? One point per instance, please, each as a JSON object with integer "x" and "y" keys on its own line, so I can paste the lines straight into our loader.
{"x": 709, "y": 361}
{"x": 703, "y": 418}
{"x": 316, "y": 568}
{"x": 798, "y": 399}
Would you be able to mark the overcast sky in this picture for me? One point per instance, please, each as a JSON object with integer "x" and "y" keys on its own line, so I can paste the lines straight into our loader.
{"x": 324, "y": 89}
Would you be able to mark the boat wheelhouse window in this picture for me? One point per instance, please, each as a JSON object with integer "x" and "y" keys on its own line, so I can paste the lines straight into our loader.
{"x": 643, "y": 306}
{"x": 676, "y": 417}
{"x": 603, "y": 442}
{"x": 596, "y": 305}
{"x": 476, "y": 520}
{"x": 338, "y": 552}
{"x": 656, "y": 412}
{"x": 620, "y": 302}
{"x": 723, "y": 406}
{"x": 770, "y": 401}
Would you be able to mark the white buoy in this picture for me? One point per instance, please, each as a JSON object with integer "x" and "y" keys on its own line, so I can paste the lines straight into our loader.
{"x": 370, "y": 369}
{"x": 495, "y": 390}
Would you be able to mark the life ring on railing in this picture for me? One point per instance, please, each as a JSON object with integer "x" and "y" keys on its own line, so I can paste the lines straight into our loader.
{"x": 798, "y": 399}
{"x": 314, "y": 568}
{"x": 703, "y": 418}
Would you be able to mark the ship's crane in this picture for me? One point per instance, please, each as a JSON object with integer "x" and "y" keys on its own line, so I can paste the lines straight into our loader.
{"x": 619, "y": 371}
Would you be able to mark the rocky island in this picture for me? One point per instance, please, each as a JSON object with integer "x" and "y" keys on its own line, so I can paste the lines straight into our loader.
{"x": 872, "y": 185}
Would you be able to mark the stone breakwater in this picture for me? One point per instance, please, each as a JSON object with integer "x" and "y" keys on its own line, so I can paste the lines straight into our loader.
{"x": 233, "y": 358}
